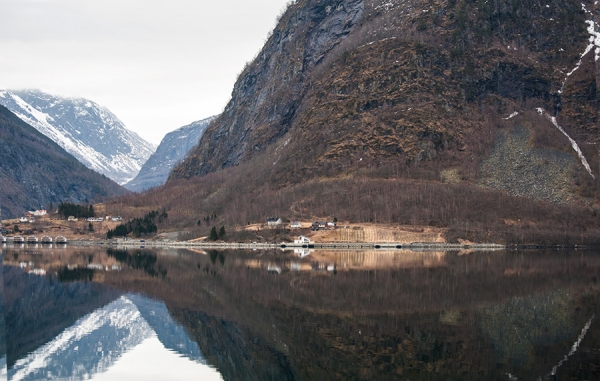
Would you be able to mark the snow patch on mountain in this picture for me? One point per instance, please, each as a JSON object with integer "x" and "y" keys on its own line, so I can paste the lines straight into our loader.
{"x": 594, "y": 43}
{"x": 574, "y": 144}
{"x": 91, "y": 133}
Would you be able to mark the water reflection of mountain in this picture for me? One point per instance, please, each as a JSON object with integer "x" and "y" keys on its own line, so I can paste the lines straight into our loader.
{"x": 38, "y": 309}
{"x": 235, "y": 350}
{"x": 430, "y": 317}
{"x": 94, "y": 343}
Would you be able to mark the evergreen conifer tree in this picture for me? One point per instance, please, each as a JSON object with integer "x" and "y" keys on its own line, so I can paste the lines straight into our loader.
{"x": 213, "y": 234}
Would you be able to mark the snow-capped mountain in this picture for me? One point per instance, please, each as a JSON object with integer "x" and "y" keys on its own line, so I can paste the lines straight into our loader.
{"x": 93, "y": 347}
{"x": 172, "y": 149}
{"x": 91, "y": 133}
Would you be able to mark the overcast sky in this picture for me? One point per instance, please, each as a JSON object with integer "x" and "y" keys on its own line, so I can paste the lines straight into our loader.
{"x": 157, "y": 65}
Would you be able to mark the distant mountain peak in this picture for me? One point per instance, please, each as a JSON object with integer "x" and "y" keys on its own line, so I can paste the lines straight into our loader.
{"x": 172, "y": 149}
{"x": 88, "y": 131}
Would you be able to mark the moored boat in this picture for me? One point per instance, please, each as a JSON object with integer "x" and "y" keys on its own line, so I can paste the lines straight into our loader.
{"x": 60, "y": 239}
{"x": 32, "y": 239}
{"x": 3, "y": 239}
{"x": 18, "y": 239}
{"x": 46, "y": 239}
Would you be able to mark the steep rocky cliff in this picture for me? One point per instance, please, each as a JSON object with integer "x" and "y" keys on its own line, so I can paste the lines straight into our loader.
{"x": 266, "y": 97}
{"x": 416, "y": 85}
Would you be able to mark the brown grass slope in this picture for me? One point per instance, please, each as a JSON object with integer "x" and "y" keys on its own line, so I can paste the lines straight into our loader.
{"x": 366, "y": 110}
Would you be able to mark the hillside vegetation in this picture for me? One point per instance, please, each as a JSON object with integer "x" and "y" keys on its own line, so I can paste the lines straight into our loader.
{"x": 425, "y": 112}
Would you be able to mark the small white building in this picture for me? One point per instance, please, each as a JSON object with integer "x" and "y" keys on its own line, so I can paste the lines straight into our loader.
{"x": 302, "y": 240}
{"x": 116, "y": 219}
{"x": 296, "y": 225}
{"x": 274, "y": 221}
{"x": 23, "y": 219}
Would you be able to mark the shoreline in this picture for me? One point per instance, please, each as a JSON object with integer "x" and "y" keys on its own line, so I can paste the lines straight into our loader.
{"x": 414, "y": 246}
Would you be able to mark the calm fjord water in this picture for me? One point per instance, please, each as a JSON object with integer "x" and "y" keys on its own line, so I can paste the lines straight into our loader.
{"x": 79, "y": 313}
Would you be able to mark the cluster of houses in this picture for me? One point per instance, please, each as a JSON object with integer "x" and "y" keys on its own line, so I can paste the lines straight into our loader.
{"x": 322, "y": 225}
{"x": 317, "y": 225}
{"x": 30, "y": 216}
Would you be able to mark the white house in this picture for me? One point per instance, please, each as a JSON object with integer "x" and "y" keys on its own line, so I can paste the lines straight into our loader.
{"x": 274, "y": 221}
{"x": 296, "y": 225}
{"x": 302, "y": 240}
{"x": 23, "y": 219}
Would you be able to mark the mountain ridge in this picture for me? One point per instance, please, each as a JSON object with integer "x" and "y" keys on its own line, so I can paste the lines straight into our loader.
{"x": 36, "y": 171}
{"x": 91, "y": 133}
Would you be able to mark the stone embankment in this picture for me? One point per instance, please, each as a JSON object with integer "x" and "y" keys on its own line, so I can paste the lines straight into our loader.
{"x": 416, "y": 246}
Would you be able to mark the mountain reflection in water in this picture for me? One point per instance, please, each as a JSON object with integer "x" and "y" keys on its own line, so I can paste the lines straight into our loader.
{"x": 128, "y": 338}
{"x": 317, "y": 315}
